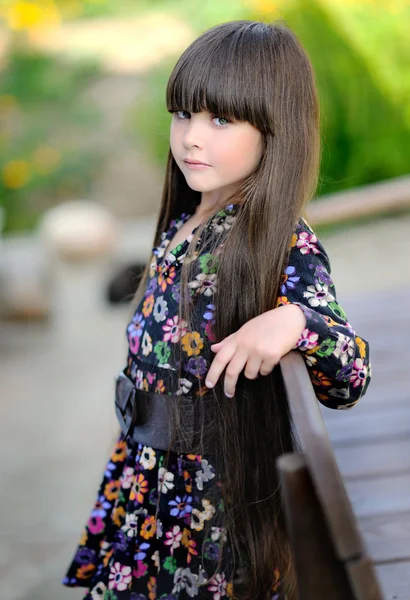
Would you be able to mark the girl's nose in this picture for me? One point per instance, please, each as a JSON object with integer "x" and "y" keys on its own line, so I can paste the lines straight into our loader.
{"x": 193, "y": 135}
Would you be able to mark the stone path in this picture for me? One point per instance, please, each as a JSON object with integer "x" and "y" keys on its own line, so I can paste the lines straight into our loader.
{"x": 57, "y": 423}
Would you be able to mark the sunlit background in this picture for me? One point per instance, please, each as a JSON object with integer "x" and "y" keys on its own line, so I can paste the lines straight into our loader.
{"x": 83, "y": 143}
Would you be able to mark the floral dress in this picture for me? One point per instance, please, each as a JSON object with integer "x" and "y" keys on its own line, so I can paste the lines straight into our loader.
{"x": 125, "y": 551}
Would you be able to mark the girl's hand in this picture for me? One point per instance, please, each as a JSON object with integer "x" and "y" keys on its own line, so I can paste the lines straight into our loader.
{"x": 258, "y": 345}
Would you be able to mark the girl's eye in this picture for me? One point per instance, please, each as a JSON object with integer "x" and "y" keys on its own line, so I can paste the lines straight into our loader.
{"x": 180, "y": 114}
{"x": 221, "y": 119}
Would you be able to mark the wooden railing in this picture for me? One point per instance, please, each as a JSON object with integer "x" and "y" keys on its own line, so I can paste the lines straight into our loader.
{"x": 383, "y": 197}
{"x": 330, "y": 559}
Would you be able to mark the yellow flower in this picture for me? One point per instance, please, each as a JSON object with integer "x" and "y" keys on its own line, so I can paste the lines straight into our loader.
{"x": 85, "y": 571}
{"x": 362, "y": 347}
{"x": 119, "y": 452}
{"x": 268, "y": 8}
{"x": 46, "y": 159}
{"x": 160, "y": 387}
{"x": 148, "y": 527}
{"x": 152, "y": 588}
{"x": 282, "y": 301}
{"x": 148, "y": 305}
{"x": 139, "y": 488}
{"x": 188, "y": 482}
{"x": 192, "y": 343}
{"x": 22, "y": 16}
{"x": 16, "y": 174}
{"x": 111, "y": 490}
{"x": 320, "y": 379}
{"x": 118, "y": 515}
{"x": 186, "y": 536}
{"x": 84, "y": 538}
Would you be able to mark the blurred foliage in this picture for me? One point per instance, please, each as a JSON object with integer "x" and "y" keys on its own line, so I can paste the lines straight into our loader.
{"x": 363, "y": 78}
{"x": 35, "y": 78}
{"x": 28, "y": 15}
{"x": 365, "y": 122}
{"x": 360, "y": 53}
{"x": 40, "y": 111}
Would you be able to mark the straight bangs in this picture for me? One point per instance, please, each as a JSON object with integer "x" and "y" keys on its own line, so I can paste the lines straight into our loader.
{"x": 227, "y": 73}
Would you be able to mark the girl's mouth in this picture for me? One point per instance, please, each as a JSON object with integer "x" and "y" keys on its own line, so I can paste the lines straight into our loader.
{"x": 196, "y": 165}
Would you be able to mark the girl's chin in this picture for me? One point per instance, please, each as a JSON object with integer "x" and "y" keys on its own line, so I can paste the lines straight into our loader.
{"x": 198, "y": 187}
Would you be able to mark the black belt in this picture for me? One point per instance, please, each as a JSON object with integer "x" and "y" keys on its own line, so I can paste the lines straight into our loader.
{"x": 149, "y": 419}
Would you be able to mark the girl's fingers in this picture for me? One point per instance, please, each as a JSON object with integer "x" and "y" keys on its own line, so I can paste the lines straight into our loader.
{"x": 219, "y": 344}
{"x": 267, "y": 367}
{"x": 215, "y": 347}
{"x": 253, "y": 366}
{"x": 219, "y": 363}
{"x": 235, "y": 366}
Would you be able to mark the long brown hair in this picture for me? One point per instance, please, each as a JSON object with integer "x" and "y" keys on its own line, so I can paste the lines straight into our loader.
{"x": 255, "y": 72}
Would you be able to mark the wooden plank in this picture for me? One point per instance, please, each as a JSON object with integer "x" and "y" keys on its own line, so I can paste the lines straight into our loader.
{"x": 383, "y": 425}
{"x": 363, "y": 578}
{"x": 395, "y": 580}
{"x": 368, "y": 303}
{"x": 387, "y": 537}
{"x": 381, "y": 495}
{"x": 370, "y": 199}
{"x": 370, "y": 309}
{"x": 320, "y": 572}
{"x": 374, "y": 459}
{"x": 389, "y": 364}
{"x": 381, "y": 398}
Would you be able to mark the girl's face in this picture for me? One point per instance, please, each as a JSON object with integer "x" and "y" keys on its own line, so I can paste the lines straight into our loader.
{"x": 228, "y": 150}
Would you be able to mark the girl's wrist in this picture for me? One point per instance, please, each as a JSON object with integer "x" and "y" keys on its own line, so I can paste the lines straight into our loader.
{"x": 299, "y": 320}
{"x": 299, "y": 317}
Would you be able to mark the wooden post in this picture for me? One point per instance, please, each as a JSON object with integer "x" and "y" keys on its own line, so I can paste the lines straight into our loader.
{"x": 320, "y": 574}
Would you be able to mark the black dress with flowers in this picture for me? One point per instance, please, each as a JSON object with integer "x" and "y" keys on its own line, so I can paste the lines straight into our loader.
{"x": 125, "y": 551}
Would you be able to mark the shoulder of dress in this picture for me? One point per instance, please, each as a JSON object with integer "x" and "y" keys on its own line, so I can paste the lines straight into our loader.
{"x": 303, "y": 224}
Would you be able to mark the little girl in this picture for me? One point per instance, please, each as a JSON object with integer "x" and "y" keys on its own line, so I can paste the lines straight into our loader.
{"x": 236, "y": 280}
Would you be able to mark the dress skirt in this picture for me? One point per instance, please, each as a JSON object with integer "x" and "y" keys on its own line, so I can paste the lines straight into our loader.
{"x": 127, "y": 553}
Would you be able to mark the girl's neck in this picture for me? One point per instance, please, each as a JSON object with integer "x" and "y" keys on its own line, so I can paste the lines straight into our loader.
{"x": 210, "y": 201}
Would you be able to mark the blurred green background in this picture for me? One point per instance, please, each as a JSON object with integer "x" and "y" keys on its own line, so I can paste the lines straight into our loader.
{"x": 52, "y": 53}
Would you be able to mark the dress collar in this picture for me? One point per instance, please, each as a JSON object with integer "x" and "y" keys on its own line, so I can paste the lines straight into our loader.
{"x": 222, "y": 220}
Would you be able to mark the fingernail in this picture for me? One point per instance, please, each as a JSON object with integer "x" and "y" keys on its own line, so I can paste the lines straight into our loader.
{"x": 208, "y": 383}
{"x": 228, "y": 395}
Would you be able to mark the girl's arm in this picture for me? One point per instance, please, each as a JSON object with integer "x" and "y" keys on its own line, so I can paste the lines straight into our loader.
{"x": 336, "y": 357}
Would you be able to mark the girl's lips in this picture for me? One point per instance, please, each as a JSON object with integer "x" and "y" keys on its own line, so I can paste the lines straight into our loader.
{"x": 193, "y": 165}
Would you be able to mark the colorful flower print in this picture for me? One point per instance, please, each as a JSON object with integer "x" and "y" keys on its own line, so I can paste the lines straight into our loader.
{"x": 204, "y": 284}
{"x": 174, "y": 329}
{"x": 160, "y": 309}
{"x": 130, "y": 551}
{"x": 148, "y": 305}
{"x": 146, "y": 345}
{"x": 120, "y": 577}
{"x": 192, "y": 343}
{"x": 162, "y": 351}
{"x": 289, "y": 280}
{"x": 318, "y": 295}
{"x": 166, "y": 279}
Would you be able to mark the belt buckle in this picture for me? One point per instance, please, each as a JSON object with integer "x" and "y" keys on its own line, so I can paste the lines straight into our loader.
{"x": 124, "y": 397}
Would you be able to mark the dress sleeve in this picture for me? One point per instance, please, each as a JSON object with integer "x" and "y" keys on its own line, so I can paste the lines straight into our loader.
{"x": 337, "y": 359}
